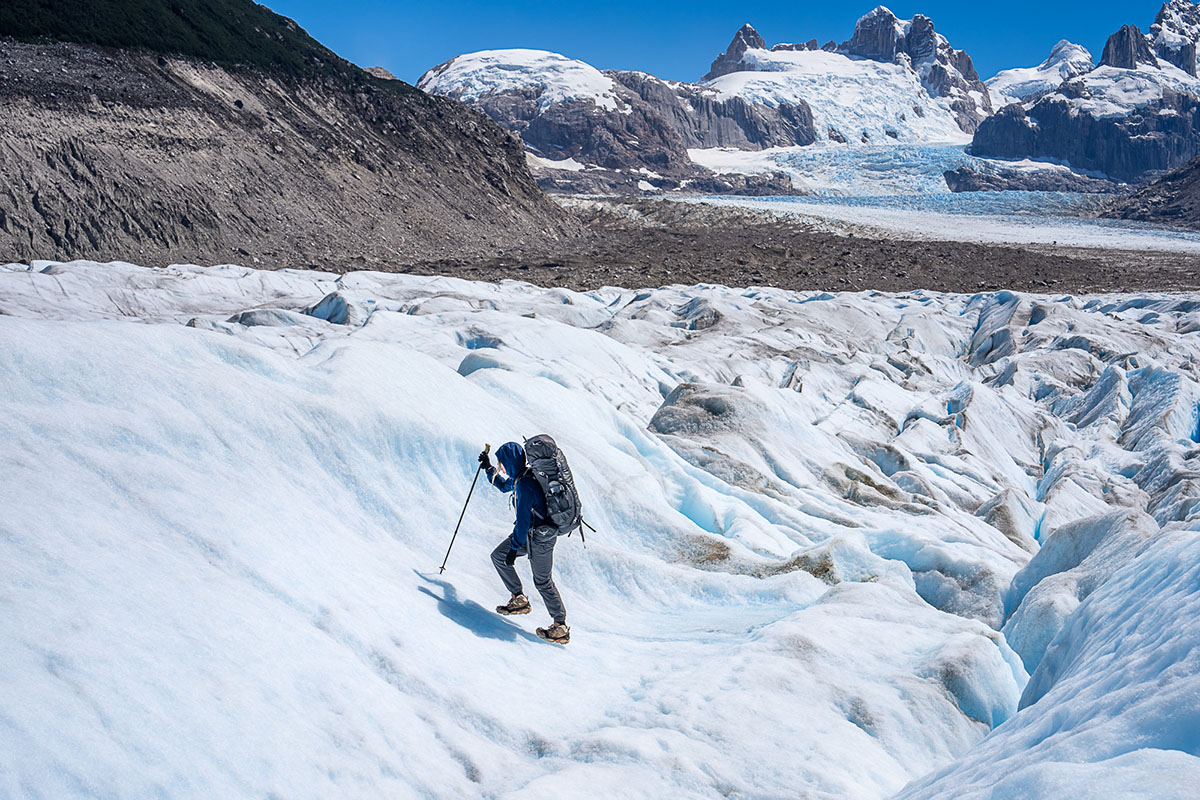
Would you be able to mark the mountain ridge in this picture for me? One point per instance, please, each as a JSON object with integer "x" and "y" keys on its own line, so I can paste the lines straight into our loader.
{"x": 137, "y": 152}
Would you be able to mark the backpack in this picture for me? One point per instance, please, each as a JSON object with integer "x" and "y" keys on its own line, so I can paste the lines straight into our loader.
{"x": 549, "y": 468}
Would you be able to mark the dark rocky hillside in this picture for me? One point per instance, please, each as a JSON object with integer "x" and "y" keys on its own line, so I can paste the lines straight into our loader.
{"x": 220, "y": 132}
{"x": 225, "y": 32}
{"x": 1173, "y": 199}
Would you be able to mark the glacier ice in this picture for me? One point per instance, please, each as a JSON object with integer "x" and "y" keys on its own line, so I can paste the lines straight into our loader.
{"x": 821, "y": 520}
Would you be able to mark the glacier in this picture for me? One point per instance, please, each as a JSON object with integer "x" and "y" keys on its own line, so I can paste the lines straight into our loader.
{"x": 852, "y": 99}
{"x": 1001, "y": 218}
{"x": 848, "y": 545}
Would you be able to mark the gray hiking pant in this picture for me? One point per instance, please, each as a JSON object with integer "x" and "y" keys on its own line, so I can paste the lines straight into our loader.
{"x": 540, "y": 549}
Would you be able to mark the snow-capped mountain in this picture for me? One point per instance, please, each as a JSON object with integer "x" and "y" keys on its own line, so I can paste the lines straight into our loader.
{"x": 630, "y": 128}
{"x": 548, "y": 77}
{"x": 893, "y": 81}
{"x": 853, "y": 100}
{"x": 945, "y": 72}
{"x": 1175, "y": 33}
{"x": 845, "y": 543}
{"x": 1132, "y": 117}
{"x": 1026, "y": 84}
{"x": 873, "y": 89}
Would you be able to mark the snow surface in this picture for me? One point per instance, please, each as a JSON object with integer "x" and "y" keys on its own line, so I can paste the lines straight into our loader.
{"x": 852, "y": 96}
{"x": 228, "y": 491}
{"x": 987, "y": 217}
{"x": 1113, "y": 92}
{"x": 558, "y": 78}
{"x": 569, "y": 164}
{"x": 1023, "y": 84}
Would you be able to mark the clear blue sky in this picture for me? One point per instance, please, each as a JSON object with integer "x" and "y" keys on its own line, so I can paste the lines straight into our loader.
{"x": 677, "y": 40}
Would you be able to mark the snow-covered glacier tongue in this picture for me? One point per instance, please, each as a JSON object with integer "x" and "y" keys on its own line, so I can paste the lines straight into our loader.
{"x": 847, "y": 545}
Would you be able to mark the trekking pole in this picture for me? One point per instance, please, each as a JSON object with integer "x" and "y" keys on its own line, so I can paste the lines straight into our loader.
{"x": 486, "y": 449}
{"x": 583, "y": 524}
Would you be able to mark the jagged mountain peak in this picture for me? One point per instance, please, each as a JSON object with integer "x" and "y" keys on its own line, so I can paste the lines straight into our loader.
{"x": 1181, "y": 10}
{"x": 944, "y": 70}
{"x": 750, "y": 36}
{"x": 1175, "y": 32}
{"x": 1127, "y": 48}
{"x": 877, "y": 35}
{"x": 747, "y": 38}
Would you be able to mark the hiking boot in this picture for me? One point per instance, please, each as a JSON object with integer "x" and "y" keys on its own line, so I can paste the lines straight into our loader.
{"x": 558, "y": 632}
{"x": 518, "y": 604}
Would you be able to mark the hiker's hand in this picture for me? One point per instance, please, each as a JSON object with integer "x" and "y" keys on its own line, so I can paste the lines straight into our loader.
{"x": 484, "y": 459}
{"x": 511, "y": 558}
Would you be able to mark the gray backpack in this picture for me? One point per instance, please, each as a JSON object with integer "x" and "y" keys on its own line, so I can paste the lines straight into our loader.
{"x": 549, "y": 468}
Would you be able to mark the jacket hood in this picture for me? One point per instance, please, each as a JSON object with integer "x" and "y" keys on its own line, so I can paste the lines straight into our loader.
{"x": 512, "y": 457}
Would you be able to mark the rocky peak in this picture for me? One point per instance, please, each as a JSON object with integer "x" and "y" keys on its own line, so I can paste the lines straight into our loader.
{"x": 1175, "y": 32}
{"x": 730, "y": 61}
{"x": 876, "y": 35}
{"x": 811, "y": 44}
{"x": 1180, "y": 16}
{"x": 1127, "y": 48}
{"x": 921, "y": 42}
{"x": 382, "y": 73}
{"x": 943, "y": 70}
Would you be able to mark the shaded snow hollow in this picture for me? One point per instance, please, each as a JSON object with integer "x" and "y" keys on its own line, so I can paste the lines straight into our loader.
{"x": 820, "y": 520}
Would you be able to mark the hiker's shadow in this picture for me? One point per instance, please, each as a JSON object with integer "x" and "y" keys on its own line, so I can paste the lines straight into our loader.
{"x": 472, "y": 616}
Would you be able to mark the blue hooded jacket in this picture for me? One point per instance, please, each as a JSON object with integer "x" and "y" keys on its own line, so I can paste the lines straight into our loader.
{"x": 530, "y": 502}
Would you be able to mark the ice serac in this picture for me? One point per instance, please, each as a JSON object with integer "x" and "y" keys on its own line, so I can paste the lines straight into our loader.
{"x": 1071, "y": 564}
{"x": 944, "y": 71}
{"x": 730, "y": 61}
{"x": 1127, "y": 49}
{"x": 1111, "y": 709}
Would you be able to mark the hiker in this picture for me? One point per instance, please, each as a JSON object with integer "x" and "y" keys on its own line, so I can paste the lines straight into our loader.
{"x": 534, "y": 534}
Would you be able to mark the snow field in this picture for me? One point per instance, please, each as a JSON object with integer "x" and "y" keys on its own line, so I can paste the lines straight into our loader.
{"x": 854, "y": 97}
{"x": 557, "y": 78}
{"x": 225, "y": 514}
{"x": 1023, "y": 84}
{"x": 1113, "y": 92}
